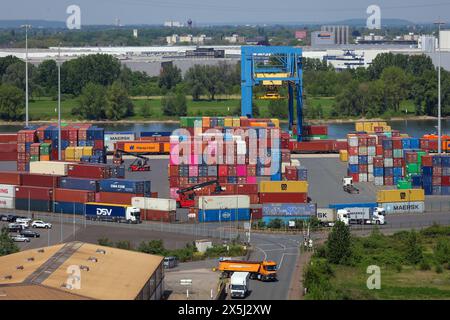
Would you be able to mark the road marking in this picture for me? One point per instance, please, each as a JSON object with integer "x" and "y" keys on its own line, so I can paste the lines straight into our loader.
{"x": 282, "y": 258}
{"x": 281, "y": 249}
{"x": 265, "y": 254}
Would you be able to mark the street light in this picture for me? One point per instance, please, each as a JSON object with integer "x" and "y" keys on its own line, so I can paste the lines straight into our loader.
{"x": 439, "y": 23}
{"x": 26, "y": 26}
{"x": 59, "y": 102}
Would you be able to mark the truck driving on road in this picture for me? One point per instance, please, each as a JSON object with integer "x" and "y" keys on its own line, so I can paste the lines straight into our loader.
{"x": 112, "y": 212}
{"x": 239, "y": 284}
{"x": 261, "y": 270}
{"x": 351, "y": 215}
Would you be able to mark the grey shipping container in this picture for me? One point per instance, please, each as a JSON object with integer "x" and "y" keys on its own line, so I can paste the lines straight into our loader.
{"x": 289, "y": 209}
{"x": 404, "y": 207}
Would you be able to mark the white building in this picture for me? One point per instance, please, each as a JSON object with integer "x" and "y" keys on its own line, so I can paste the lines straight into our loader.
{"x": 188, "y": 38}
{"x": 427, "y": 43}
{"x": 173, "y": 24}
{"x": 235, "y": 38}
{"x": 444, "y": 40}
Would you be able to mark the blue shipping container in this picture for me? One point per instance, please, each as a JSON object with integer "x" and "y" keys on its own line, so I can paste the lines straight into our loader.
{"x": 427, "y": 171}
{"x": 69, "y": 208}
{"x": 378, "y": 172}
{"x": 288, "y": 209}
{"x": 224, "y": 215}
{"x": 154, "y": 134}
{"x": 79, "y": 184}
{"x": 125, "y": 186}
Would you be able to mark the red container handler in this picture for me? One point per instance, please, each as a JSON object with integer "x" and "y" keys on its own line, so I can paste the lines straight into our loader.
{"x": 283, "y": 197}
{"x": 115, "y": 197}
{"x": 95, "y": 171}
{"x": 10, "y": 177}
{"x": 69, "y": 195}
{"x": 35, "y": 193}
{"x": 39, "y": 180}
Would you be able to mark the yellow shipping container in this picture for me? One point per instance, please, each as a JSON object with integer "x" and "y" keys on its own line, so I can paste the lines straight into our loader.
{"x": 367, "y": 126}
{"x": 78, "y": 152}
{"x": 87, "y": 151}
{"x": 70, "y": 153}
{"x": 359, "y": 126}
{"x": 283, "y": 186}
{"x": 382, "y": 123}
{"x": 236, "y": 122}
{"x": 276, "y": 122}
{"x": 404, "y": 195}
{"x": 228, "y": 122}
{"x": 343, "y": 155}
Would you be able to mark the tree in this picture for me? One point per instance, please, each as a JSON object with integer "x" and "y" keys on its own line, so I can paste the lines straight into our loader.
{"x": 413, "y": 249}
{"x": 46, "y": 75}
{"x": 174, "y": 105}
{"x": 15, "y": 75}
{"x": 339, "y": 244}
{"x": 152, "y": 247}
{"x": 7, "y": 245}
{"x": 145, "y": 110}
{"x": 395, "y": 86}
{"x": 278, "y": 108}
{"x": 5, "y": 62}
{"x": 92, "y": 102}
{"x": 169, "y": 76}
{"x": 118, "y": 104}
{"x": 385, "y": 60}
{"x": 195, "y": 81}
{"x": 442, "y": 251}
{"x": 11, "y": 103}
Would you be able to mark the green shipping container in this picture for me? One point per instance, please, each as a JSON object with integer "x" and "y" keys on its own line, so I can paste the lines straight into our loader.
{"x": 316, "y": 137}
{"x": 34, "y": 158}
{"x": 44, "y": 148}
{"x": 412, "y": 168}
{"x": 220, "y": 122}
{"x": 183, "y": 122}
{"x": 420, "y": 154}
{"x": 397, "y": 153}
{"x": 403, "y": 184}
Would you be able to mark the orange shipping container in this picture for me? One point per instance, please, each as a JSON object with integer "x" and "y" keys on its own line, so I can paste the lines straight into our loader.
{"x": 142, "y": 147}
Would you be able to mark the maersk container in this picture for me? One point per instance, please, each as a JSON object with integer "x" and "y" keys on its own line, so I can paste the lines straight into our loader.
{"x": 78, "y": 184}
{"x": 113, "y": 137}
{"x": 403, "y": 207}
{"x": 288, "y": 209}
{"x": 223, "y": 215}
{"x": 69, "y": 207}
{"x": 223, "y": 202}
{"x": 154, "y": 204}
{"x": 7, "y": 191}
{"x": 125, "y": 186}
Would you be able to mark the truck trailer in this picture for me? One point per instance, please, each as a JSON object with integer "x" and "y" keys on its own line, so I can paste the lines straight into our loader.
{"x": 112, "y": 212}
{"x": 351, "y": 215}
{"x": 261, "y": 270}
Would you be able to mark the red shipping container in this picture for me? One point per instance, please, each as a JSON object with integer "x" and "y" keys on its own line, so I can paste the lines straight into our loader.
{"x": 379, "y": 150}
{"x": 232, "y": 171}
{"x": 352, "y": 151}
{"x": 411, "y": 157}
{"x": 313, "y": 146}
{"x": 9, "y": 147}
{"x": 355, "y": 177}
{"x": 363, "y": 168}
{"x": 228, "y": 189}
{"x": 389, "y": 181}
{"x": 256, "y": 213}
{"x": 8, "y": 137}
{"x": 362, "y": 141}
{"x": 251, "y": 170}
{"x": 378, "y": 162}
{"x": 89, "y": 171}
{"x": 68, "y": 195}
{"x": 173, "y": 171}
{"x": 99, "y": 144}
{"x": 254, "y": 198}
{"x": 35, "y": 193}
{"x": 10, "y": 177}
{"x": 427, "y": 161}
{"x": 156, "y": 215}
{"x": 398, "y": 162}
{"x": 291, "y": 173}
{"x": 388, "y": 153}
{"x": 223, "y": 170}
{"x": 10, "y": 156}
{"x": 222, "y": 180}
{"x": 340, "y": 145}
{"x": 115, "y": 197}
{"x": 39, "y": 180}
{"x": 445, "y": 181}
{"x": 174, "y": 182}
{"x": 436, "y": 181}
{"x": 318, "y": 130}
{"x": 246, "y": 188}
{"x": 283, "y": 197}
{"x": 154, "y": 195}
{"x": 397, "y": 143}
{"x": 371, "y": 141}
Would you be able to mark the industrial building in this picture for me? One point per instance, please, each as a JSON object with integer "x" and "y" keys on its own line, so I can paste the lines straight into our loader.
{"x": 322, "y": 38}
{"x": 205, "y": 53}
{"x": 81, "y": 271}
{"x": 341, "y": 33}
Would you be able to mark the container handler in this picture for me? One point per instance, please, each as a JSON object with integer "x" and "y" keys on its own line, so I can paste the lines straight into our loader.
{"x": 261, "y": 270}
{"x": 347, "y": 184}
{"x": 186, "y": 196}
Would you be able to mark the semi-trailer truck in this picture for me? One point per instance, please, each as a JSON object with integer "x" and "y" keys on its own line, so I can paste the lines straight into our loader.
{"x": 351, "y": 215}
{"x": 239, "y": 284}
{"x": 112, "y": 212}
{"x": 261, "y": 270}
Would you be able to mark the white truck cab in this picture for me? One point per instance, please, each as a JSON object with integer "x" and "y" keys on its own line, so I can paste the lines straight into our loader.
{"x": 239, "y": 284}
{"x": 133, "y": 214}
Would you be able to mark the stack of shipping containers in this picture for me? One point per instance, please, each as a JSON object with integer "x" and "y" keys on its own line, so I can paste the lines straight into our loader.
{"x": 8, "y": 147}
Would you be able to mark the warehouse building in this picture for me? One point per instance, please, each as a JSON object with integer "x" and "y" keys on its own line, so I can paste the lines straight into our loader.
{"x": 81, "y": 271}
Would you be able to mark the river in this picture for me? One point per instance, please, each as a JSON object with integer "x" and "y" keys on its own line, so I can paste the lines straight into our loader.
{"x": 415, "y": 128}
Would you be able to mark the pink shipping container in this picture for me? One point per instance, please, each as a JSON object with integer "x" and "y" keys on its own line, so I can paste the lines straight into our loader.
{"x": 251, "y": 179}
{"x": 241, "y": 170}
{"x": 193, "y": 171}
{"x": 173, "y": 193}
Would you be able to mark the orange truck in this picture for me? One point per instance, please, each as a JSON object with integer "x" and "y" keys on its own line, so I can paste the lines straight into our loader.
{"x": 261, "y": 270}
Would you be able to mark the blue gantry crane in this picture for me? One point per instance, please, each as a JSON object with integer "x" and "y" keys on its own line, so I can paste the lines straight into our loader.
{"x": 273, "y": 67}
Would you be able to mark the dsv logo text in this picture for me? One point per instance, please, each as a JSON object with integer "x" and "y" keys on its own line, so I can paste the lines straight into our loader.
{"x": 104, "y": 212}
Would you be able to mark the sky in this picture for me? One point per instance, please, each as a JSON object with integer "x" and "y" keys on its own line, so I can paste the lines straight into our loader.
{"x": 220, "y": 11}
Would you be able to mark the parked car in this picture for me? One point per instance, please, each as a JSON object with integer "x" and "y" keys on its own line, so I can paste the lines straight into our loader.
{"x": 20, "y": 238}
{"x": 170, "y": 262}
{"x": 9, "y": 218}
{"x": 30, "y": 234}
{"x": 15, "y": 227}
{"x": 23, "y": 220}
{"x": 41, "y": 224}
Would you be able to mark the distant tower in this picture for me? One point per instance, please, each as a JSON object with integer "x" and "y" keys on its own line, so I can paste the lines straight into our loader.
{"x": 117, "y": 22}
{"x": 135, "y": 33}
{"x": 189, "y": 22}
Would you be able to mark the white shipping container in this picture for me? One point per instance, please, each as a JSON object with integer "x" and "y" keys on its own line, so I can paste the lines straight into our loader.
{"x": 241, "y": 148}
{"x": 7, "y": 191}
{"x": 363, "y": 177}
{"x": 370, "y": 168}
{"x": 370, "y": 160}
{"x": 7, "y": 203}
{"x": 154, "y": 204}
{"x": 111, "y": 138}
{"x": 284, "y": 165}
{"x": 379, "y": 181}
{"x": 353, "y": 141}
{"x": 223, "y": 202}
{"x": 388, "y": 162}
{"x": 295, "y": 162}
{"x": 370, "y": 177}
{"x": 326, "y": 214}
{"x": 353, "y": 159}
{"x": 372, "y": 151}
{"x": 403, "y": 207}
{"x": 49, "y": 167}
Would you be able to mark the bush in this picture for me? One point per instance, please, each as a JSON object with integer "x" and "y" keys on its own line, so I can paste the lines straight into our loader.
{"x": 439, "y": 268}
{"x": 424, "y": 266}
{"x": 105, "y": 242}
{"x": 413, "y": 250}
{"x": 145, "y": 110}
{"x": 442, "y": 251}
{"x": 339, "y": 244}
{"x": 275, "y": 224}
{"x": 174, "y": 105}
{"x": 278, "y": 109}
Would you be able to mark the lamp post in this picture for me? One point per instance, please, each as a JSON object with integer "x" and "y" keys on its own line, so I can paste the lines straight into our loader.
{"x": 59, "y": 102}
{"x": 439, "y": 23}
{"x": 26, "y": 26}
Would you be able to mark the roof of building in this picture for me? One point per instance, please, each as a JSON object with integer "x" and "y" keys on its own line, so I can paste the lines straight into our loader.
{"x": 107, "y": 273}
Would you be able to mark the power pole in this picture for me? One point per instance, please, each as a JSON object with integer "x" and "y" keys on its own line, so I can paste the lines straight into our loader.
{"x": 439, "y": 23}
{"x": 26, "y": 26}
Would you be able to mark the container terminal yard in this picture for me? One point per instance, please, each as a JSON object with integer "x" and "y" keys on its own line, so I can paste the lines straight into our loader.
{"x": 213, "y": 181}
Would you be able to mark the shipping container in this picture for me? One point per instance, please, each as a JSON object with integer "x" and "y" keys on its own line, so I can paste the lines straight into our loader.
{"x": 49, "y": 167}
{"x": 36, "y": 193}
{"x": 283, "y": 197}
{"x": 7, "y": 191}
{"x": 33, "y": 205}
{"x": 116, "y": 197}
{"x": 223, "y": 202}
{"x": 112, "y": 137}
{"x": 288, "y": 209}
{"x": 112, "y": 212}
{"x": 78, "y": 184}
{"x": 94, "y": 171}
{"x": 157, "y": 215}
{"x": 39, "y": 180}
{"x": 403, "y": 207}
{"x": 283, "y": 186}
{"x": 69, "y": 208}
{"x": 223, "y": 215}
{"x": 406, "y": 195}
{"x": 125, "y": 186}
{"x": 154, "y": 204}
{"x": 68, "y": 195}
{"x": 7, "y": 202}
